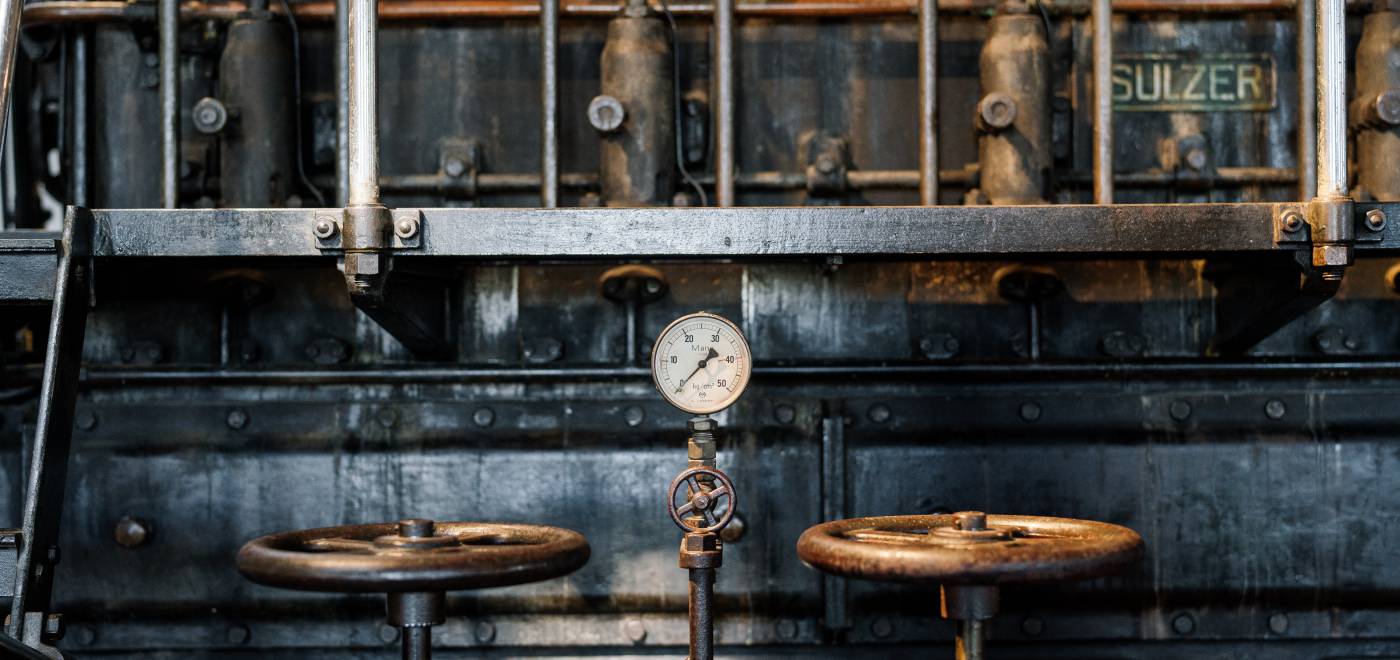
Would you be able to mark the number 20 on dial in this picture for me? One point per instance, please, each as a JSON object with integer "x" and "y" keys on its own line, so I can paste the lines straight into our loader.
{"x": 701, "y": 363}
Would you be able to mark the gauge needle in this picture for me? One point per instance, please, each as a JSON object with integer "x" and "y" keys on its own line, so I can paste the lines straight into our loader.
{"x": 711, "y": 354}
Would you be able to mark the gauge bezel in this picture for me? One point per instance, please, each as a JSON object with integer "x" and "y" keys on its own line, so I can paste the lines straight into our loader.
{"x": 719, "y": 404}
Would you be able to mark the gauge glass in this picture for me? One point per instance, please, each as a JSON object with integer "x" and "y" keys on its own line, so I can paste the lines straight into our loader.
{"x": 701, "y": 363}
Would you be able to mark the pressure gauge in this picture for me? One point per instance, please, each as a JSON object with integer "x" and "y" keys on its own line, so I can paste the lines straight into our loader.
{"x": 701, "y": 363}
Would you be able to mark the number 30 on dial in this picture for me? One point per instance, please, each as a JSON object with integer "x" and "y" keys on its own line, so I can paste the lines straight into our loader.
{"x": 701, "y": 363}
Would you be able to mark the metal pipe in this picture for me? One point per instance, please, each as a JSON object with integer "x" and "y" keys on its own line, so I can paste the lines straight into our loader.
{"x": 971, "y": 641}
{"x": 549, "y": 103}
{"x": 928, "y": 102}
{"x": 169, "y": 18}
{"x": 10, "y": 11}
{"x": 342, "y": 101}
{"x": 1307, "y": 98}
{"x": 79, "y": 174}
{"x": 1331, "y": 99}
{"x": 724, "y": 102}
{"x": 417, "y": 642}
{"x": 362, "y": 130}
{"x": 702, "y": 624}
{"x": 1103, "y": 102}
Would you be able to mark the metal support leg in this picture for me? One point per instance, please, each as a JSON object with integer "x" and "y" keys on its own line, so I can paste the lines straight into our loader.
{"x": 549, "y": 103}
{"x": 9, "y": 40}
{"x": 928, "y": 102}
{"x": 169, "y": 16}
{"x": 724, "y": 102}
{"x": 702, "y": 623}
{"x": 58, "y": 395}
{"x": 1103, "y": 102}
{"x": 1330, "y": 213}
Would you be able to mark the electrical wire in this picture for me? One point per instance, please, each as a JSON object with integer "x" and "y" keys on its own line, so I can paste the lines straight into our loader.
{"x": 679, "y": 112}
{"x": 296, "y": 90}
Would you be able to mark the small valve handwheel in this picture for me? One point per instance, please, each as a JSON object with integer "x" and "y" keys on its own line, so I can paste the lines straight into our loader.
{"x": 968, "y": 548}
{"x": 413, "y": 555}
{"x": 690, "y": 496}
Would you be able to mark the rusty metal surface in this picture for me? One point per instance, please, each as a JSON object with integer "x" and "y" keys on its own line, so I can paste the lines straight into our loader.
{"x": 374, "y": 558}
{"x": 929, "y": 549}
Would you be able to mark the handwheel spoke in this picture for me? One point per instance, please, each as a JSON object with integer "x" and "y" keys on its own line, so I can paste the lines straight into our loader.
{"x": 709, "y": 517}
{"x": 883, "y": 536}
{"x": 722, "y": 490}
{"x": 685, "y": 508}
{"x": 340, "y": 545}
{"x": 693, "y": 484}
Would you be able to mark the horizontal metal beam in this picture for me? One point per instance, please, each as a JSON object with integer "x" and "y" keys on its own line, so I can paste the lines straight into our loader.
{"x": 749, "y": 232}
{"x": 28, "y": 265}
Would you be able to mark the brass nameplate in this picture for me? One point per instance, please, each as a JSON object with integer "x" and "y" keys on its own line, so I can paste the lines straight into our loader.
{"x": 1205, "y": 82}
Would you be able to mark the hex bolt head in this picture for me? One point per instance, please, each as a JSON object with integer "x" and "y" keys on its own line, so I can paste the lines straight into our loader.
{"x": 1180, "y": 410}
{"x": 237, "y": 419}
{"x": 606, "y": 113}
{"x": 1275, "y": 409}
{"x": 878, "y": 413}
{"x": 1030, "y": 411}
{"x": 1375, "y": 219}
{"x": 634, "y": 416}
{"x": 634, "y": 629}
{"x": 406, "y": 227}
{"x": 324, "y": 228}
{"x": 483, "y": 417}
{"x": 131, "y": 532}
{"x": 1278, "y": 623}
{"x": 1184, "y": 624}
{"x": 484, "y": 631}
{"x": 1292, "y": 220}
{"x": 784, "y": 414}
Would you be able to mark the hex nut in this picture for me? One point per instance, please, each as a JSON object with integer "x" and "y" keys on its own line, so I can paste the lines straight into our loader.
{"x": 406, "y": 227}
{"x": 1375, "y": 220}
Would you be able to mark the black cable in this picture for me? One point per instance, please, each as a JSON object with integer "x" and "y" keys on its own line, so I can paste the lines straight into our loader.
{"x": 296, "y": 90}
{"x": 679, "y": 112}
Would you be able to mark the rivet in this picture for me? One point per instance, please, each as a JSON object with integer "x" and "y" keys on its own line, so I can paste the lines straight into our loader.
{"x": 131, "y": 532}
{"x": 1292, "y": 220}
{"x": 1375, "y": 219}
{"x": 324, "y": 228}
{"x": 1032, "y": 626}
{"x": 784, "y": 413}
{"x": 634, "y": 416}
{"x": 484, "y": 631}
{"x": 878, "y": 413}
{"x": 1184, "y": 624}
{"x": 1180, "y": 410}
{"x": 1275, "y": 409}
{"x": 387, "y": 417}
{"x": 406, "y": 227}
{"x": 237, "y": 419}
{"x": 1278, "y": 623}
{"x": 634, "y": 629}
{"x": 786, "y": 628}
{"x": 238, "y": 634}
{"x": 86, "y": 420}
{"x": 881, "y": 627}
{"x": 484, "y": 417}
{"x": 388, "y": 634}
{"x": 1030, "y": 411}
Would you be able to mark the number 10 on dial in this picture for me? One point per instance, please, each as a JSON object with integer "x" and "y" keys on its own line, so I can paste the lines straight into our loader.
{"x": 701, "y": 363}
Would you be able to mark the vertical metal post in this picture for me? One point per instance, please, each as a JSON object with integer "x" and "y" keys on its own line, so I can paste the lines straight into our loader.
{"x": 1307, "y": 98}
{"x": 971, "y": 641}
{"x": 928, "y": 102}
{"x": 81, "y": 42}
{"x": 417, "y": 643}
{"x": 169, "y": 17}
{"x": 702, "y": 625}
{"x": 724, "y": 102}
{"x": 362, "y": 113}
{"x": 1102, "y": 18}
{"x": 9, "y": 40}
{"x": 549, "y": 103}
{"x": 1331, "y": 99}
{"x": 342, "y": 101}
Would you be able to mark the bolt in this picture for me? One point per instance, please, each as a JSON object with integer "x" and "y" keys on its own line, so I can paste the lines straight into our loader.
{"x": 387, "y": 417}
{"x": 826, "y": 165}
{"x": 634, "y": 416}
{"x": 132, "y": 532}
{"x": 787, "y": 628}
{"x": 1275, "y": 409}
{"x": 1030, "y": 411}
{"x": 878, "y": 413}
{"x": 1032, "y": 626}
{"x": 1292, "y": 220}
{"x": 785, "y": 414}
{"x": 1184, "y": 624}
{"x": 237, "y": 419}
{"x": 406, "y": 227}
{"x": 416, "y": 528}
{"x": 325, "y": 227}
{"x": 1375, "y": 220}
{"x": 881, "y": 627}
{"x": 388, "y": 634}
{"x": 1180, "y": 410}
{"x": 634, "y": 629}
{"x": 484, "y": 631}
{"x": 454, "y": 167}
{"x": 85, "y": 635}
{"x": 483, "y": 417}
{"x": 970, "y": 521}
{"x": 86, "y": 420}
{"x": 238, "y": 634}
{"x": 1278, "y": 623}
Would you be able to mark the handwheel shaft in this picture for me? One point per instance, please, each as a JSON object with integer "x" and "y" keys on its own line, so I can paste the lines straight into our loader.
{"x": 417, "y": 643}
{"x": 702, "y": 625}
{"x": 971, "y": 640}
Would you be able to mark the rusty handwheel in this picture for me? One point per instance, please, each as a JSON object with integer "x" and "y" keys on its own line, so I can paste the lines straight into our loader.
{"x": 969, "y": 554}
{"x": 415, "y": 562}
{"x": 689, "y": 498}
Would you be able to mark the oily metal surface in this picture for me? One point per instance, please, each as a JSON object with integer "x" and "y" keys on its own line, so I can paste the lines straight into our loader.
{"x": 911, "y": 549}
{"x": 346, "y": 559}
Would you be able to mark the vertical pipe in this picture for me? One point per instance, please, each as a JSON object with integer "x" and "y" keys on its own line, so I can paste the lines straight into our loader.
{"x": 1103, "y": 102}
{"x": 971, "y": 640}
{"x": 342, "y": 101}
{"x": 417, "y": 643}
{"x": 1307, "y": 99}
{"x": 928, "y": 102}
{"x": 702, "y": 625}
{"x": 1331, "y": 99}
{"x": 169, "y": 16}
{"x": 724, "y": 102}
{"x": 9, "y": 41}
{"x": 362, "y": 118}
{"x": 549, "y": 103}
{"x": 79, "y": 174}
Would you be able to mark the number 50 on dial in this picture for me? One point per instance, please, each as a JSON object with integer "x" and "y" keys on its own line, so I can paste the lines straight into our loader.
{"x": 701, "y": 363}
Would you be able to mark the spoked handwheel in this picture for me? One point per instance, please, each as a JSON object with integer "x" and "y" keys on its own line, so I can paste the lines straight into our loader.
{"x": 969, "y": 554}
{"x": 415, "y": 562}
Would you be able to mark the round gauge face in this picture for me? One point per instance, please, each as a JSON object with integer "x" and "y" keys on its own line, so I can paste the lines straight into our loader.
{"x": 701, "y": 363}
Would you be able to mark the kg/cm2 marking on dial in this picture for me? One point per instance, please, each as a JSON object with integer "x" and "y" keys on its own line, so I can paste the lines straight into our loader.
{"x": 701, "y": 363}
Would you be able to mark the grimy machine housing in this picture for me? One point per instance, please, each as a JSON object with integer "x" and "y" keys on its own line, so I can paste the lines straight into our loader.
{"x": 1032, "y": 328}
